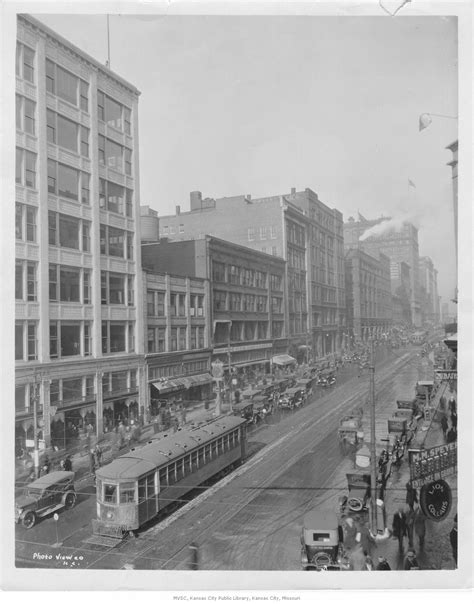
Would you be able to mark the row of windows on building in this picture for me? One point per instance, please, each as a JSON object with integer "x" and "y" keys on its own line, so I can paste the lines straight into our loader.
{"x": 73, "y": 284}
{"x": 156, "y": 304}
{"x": 245, "y": 302}
{"x": 73, "y": 184}
{"x": 72, "y": 89}
{"x": 241, "y": 331}
{"x": 238, "y": 275}
{"x": 263, "y": 233}
{"x": 158, "y": 341}
{"x": 73, "y": 338}
{"x": 179, "y": 369}
{"x": 67, "y": 390}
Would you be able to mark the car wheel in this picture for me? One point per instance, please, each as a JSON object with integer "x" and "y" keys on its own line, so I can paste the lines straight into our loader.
{"x": 69, "y": 500}
{"x": 355, "y": 504}
{"x": 29, "y": 520}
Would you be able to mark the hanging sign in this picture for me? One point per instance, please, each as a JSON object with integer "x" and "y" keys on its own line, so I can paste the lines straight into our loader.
{"x": 446, "y": 375}
{"x": 436, "y": 500}
{"x": 427, "y": 465}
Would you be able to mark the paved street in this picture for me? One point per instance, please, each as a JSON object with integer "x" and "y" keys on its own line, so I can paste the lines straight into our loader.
{"x": 252, "y": 519}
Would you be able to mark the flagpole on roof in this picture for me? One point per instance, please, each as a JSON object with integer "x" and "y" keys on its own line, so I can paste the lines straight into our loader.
{"x": 108, "y": 43}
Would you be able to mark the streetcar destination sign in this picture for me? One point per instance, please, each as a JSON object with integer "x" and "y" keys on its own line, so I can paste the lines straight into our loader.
{"x": 428, "y": 465}
{"x": 446, "y": 375}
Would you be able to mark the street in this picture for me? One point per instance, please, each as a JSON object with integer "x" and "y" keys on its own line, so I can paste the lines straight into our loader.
{"x": 250, "y": 520}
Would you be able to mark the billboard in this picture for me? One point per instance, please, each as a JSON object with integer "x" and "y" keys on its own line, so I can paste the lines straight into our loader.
{"x": 428, "y": 465}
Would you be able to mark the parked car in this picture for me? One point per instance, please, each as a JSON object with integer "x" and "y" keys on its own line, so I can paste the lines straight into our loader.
{"x": 321, "y": 541}
{"x": 44, "y": 496}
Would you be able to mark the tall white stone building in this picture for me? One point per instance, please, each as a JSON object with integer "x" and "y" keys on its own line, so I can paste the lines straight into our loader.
{"x": 79, "y": 321}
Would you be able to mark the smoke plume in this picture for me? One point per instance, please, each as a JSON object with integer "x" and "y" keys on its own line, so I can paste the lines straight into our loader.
{"x": 388, "y": 225}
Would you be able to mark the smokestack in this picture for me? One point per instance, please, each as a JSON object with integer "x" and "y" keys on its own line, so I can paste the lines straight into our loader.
{"x": 178, "y": 210}
{"x": 293, "y": 190}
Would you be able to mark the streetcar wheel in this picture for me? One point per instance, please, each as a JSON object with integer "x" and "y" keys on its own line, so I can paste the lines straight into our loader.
{"x": 29, "y": 520}
{"x": 70, "y": 500}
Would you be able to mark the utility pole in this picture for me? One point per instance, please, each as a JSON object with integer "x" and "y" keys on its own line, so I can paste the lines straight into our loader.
{"x": 373, "y": 451}
{"x": 35, "y": 426}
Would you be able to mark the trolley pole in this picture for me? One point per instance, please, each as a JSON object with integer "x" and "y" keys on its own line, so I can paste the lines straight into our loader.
{"x": 373, "y": 451}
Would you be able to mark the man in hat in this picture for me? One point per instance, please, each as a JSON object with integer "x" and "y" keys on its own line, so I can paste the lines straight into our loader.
{"x": 453, "y": 537}
{"x": 382, "y": 564}
{"x": 411, "y": 563}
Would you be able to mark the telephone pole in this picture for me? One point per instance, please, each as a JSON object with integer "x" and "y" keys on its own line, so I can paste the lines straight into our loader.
{"x": 35, "y": 425}
{"x": 373, "y": 451}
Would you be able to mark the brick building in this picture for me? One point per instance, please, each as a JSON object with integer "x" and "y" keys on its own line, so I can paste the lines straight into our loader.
{"x": 399, "y": 243}
{"x": 297, "y": 227}
{"x": 368, "y": 295}
{"x": 78, "y": 319}
{"x": 246, "y": 296}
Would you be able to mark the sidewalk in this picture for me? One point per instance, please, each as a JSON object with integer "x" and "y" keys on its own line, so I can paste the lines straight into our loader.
{"x": 436, "y": 553}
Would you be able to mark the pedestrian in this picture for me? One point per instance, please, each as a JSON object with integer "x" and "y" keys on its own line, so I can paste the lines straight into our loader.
{"x": 444, "y": 426}
{"x": 357, "y": 558}
{"x": 368, "y": 565}
{"x": 399, "y": 527}
{"x": 98, "y": 455}
{"x": 411, "y": 563}
{"x": 411, "y": 497}
{"x": 451, "y": 436}
{"x": 452, "y": 404}
{"x": 453, "y": 538}
{"x": 194, "y": 556}
{"x": 91, "y": 461}
{"x": 383, "y": 564}
{"x": 420, "y": 527}
{"x": 410, "y": 525}
{"x": 454, "y": 419}
{"x": 46, "y": 465}
{"x": 67, "y": 464}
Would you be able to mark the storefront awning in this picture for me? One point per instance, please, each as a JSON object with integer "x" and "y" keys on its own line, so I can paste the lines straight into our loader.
{"x": 168, "y": 386}
{"x": 283, "y": 360}
{"x": 199, "y": 380}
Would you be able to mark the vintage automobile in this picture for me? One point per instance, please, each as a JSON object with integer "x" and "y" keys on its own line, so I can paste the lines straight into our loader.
{"x": 262, "y": 407}
{"x": 44, "y": 496}
{"x": 321, "y": 541}
{"x": 326, "y": 378}
{"x": 350, "y": 429}
{"x": 424, "y": 390}
{"x": 359, "y": 493}
{"x": 246, "y": 411}
{"x": 292, "y": 398}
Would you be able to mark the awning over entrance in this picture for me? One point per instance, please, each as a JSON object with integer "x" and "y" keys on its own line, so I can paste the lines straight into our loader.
{"x": 168, "y": 386}
{"x": 283, "y": 360}
{"x": 199, "y": 380}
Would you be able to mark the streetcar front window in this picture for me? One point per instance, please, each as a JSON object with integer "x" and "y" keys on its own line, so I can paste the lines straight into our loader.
{"x": 127, "y": 492}
{"x": 110, "y": 493}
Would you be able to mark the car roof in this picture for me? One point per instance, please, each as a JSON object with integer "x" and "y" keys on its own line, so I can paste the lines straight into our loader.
{"x": 320, "y": 520}
{"x": 52, "y": 478}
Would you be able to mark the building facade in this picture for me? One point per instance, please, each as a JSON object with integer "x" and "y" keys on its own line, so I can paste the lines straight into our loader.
{"x": 399, "y": 244}
{"x": 368, "y": 295}
{"x": 246, "y": 296}
{"x": 297, "y": 227}
{"x": 429, "y": 297}
{"x": 78, "y": 324}
{"x": 178, "y": 352}
{"x": 401, "y": 288}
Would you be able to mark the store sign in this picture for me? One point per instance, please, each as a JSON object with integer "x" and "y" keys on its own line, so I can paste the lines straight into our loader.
{"x": 427, "y": 465}
{"x": 446, "y": 375}
{"x": 436, "y": 500}
{"x": 217, "y": 369}
{"x": 397, "y": 425}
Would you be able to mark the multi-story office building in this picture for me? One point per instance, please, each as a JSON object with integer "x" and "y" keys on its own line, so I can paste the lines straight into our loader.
{"x": 297, "y": 227}
{"x": 368, "y": 295}
{"x": 401, "y": 288}
{"x": 78, "y": 324}
{"x": 400, "y": 244}
{"x": 247, "y": 301}
{"x": 177, "y": 324}
{"x": 429, "y": 291}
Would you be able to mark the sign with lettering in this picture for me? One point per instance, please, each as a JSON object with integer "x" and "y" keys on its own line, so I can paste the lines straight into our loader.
{"x": 436, "y": 500}
{"x": 411, "y": 404}
{"x": 397, "y": 425}
{"x": 446, "y": 375}
{"x": 427, "y": 465}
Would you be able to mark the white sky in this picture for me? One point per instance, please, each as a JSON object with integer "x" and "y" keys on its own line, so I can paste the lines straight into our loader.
{"x": 234, "y": 105}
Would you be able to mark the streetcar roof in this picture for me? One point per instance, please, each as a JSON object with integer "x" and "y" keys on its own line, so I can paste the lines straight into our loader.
{"x": 166, "y": 448}
{"x": 320, "y": 520}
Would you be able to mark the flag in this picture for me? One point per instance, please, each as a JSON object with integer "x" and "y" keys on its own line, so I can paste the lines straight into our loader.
{"x": 424, "y": 121}
{"x": 411, "y": 184}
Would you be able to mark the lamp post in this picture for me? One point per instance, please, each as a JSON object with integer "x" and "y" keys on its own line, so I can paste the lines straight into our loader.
{"x": 425, "y": 119}
{"x": 217, "y": 369}
{"x": 35, "y": 425}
